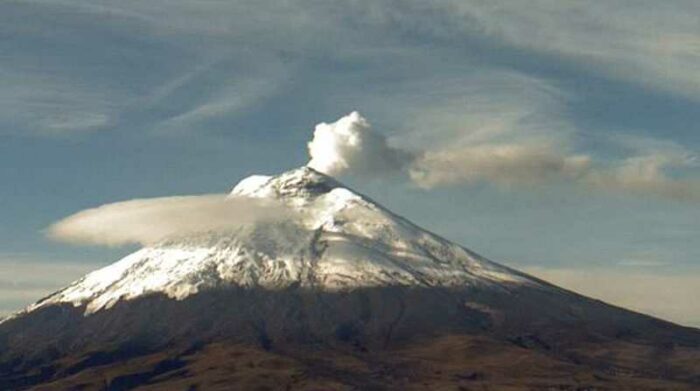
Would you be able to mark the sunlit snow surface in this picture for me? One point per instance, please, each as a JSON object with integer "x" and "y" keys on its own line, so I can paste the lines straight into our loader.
{"x": 337, "y": 240}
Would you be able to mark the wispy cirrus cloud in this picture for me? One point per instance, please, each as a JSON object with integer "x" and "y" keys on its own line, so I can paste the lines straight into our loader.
{"x": 49, "y": 105}
{"x": 648, "y": 43}
{"x": 173, "y": 49}
{"x": 231, "y": 98}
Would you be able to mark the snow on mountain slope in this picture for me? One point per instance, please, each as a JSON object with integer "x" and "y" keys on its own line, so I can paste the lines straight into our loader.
{"x": 337, "y": 240}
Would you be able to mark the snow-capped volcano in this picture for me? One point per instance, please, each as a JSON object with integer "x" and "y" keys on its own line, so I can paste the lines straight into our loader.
{"x": 333, "y": 239}
{"x": 335, "y": 274}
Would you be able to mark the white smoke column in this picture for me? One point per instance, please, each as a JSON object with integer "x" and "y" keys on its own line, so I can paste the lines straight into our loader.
{"x": 349, "y": 145}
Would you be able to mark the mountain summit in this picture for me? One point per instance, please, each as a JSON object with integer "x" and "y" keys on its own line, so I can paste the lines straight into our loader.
{"x": 340, "y": 293}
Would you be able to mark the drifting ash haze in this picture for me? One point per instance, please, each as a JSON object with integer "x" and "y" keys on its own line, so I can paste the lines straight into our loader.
{"x": 508, "y": 157}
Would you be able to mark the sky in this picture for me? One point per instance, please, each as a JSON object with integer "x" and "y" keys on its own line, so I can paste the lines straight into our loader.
{"x": 557, "y": 137}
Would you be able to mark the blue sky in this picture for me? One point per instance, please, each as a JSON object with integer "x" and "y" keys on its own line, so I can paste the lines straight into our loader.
{"x": 103, "y": 102}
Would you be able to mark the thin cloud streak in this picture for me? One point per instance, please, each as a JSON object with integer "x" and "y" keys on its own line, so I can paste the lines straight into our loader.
{"x": 504, "y": 164}
{"x": 651, "y": 44}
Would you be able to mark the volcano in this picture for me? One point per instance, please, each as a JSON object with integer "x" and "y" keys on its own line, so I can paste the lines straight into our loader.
{"x": 340, "y": 294}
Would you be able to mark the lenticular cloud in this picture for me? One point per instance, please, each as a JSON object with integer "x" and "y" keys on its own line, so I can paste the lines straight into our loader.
{"x": 148, "y": 221}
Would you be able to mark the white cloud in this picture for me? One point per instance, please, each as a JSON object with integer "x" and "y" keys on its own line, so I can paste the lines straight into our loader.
{"x": 503, "y": 164}
{"x": 147, "y": 221}
{"x": 349, "y": 145}
{"x": 665, "y": 296}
